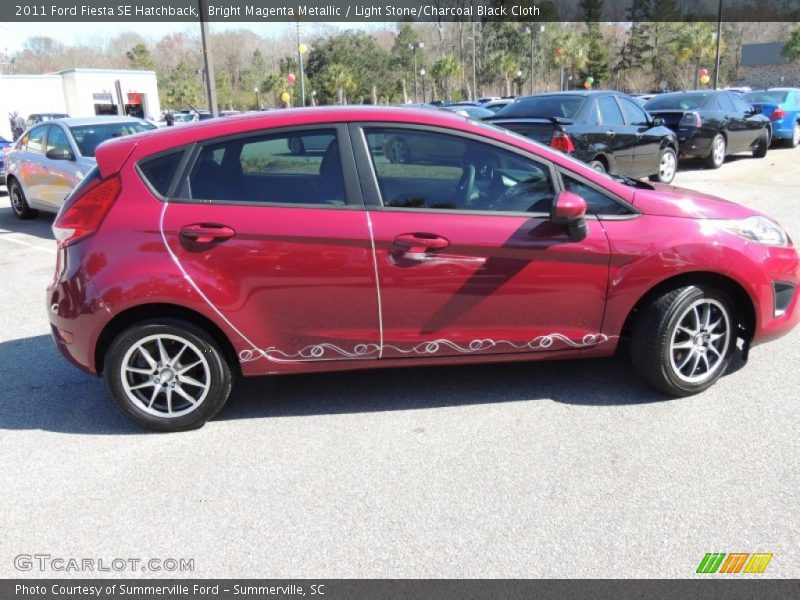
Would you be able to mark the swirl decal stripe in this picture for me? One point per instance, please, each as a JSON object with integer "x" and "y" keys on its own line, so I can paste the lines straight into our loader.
{"x": 327, "y": 351}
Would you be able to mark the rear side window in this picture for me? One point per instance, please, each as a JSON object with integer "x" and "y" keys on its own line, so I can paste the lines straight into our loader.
{"x": 159, "y": 171}
{"x": 302, "y": 167}
{"x": 609, "y": 111}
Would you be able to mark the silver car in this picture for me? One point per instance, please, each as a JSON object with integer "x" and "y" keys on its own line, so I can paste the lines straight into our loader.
{"x": 51, "y": 158}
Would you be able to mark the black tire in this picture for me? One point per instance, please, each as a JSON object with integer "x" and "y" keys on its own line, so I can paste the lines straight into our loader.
{"x": 666, "y": 175}
{"x": 715, "y": 158}
{"x": 211, "y": 369}
{"x": 762, "y": 145}
{"x": 19, "y": 204}
{"x": 597, "y": 165}
{"x": 656, "y": 329}
{"x": 296, "y": 145}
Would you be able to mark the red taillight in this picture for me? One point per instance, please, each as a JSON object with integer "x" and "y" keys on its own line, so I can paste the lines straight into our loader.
{"x": 778, "y": 113}
{"x": 691, "y": 119}
{"x": 562, "y": 141}
{"x": 84, "y": 212}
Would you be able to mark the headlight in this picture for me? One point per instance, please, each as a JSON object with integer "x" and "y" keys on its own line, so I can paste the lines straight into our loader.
{"x": 758, "y": 229}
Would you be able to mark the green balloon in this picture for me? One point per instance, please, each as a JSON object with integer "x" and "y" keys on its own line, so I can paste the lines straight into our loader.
{"x": 590, "y": 79}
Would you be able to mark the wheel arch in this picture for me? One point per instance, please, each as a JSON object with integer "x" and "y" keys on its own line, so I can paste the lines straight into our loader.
{"x": 743, "y": 303}
{"x": 146, "y": 312}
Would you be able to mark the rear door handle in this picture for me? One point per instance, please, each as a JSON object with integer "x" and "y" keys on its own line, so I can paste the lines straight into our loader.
{"x": 205, "y": 233}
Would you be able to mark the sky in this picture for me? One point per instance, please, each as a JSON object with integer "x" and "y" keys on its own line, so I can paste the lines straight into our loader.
{"x": 13, "y": 35}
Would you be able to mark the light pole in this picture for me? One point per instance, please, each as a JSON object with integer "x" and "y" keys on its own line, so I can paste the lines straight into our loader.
{"x": 719, "y": 39}
{"x": 532, "y": 32}
{"x": 301, "y": 50}
{"x": 413, "y": 48}
{"x": 422, "y": 72}
{"x": 208, "y": 61}
{"x": 258, "y": 99}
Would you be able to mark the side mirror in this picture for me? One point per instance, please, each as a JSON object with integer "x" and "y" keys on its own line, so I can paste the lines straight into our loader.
{"x": 59, "y": 154}
{"x": 658, "y": 122}
{"x": 569, "y": 210}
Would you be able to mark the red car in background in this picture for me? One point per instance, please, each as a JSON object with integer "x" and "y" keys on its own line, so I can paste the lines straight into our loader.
{"x": 195, "y": 254}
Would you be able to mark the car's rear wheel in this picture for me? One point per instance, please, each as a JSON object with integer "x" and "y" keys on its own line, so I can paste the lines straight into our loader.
{"x": 296, "y": 145}
{"x": 762, "y": 145}
{"x": 719, "y": 148}
{"x": 397, "y": 151}
{"x": 667, "y": 166}
{"x": 794, "y": 141}
{"x": 19, "y": 204}
{"x": 597, "y": 165}
{"x": 683, "y": 340}
{"x": 168, "y": 375}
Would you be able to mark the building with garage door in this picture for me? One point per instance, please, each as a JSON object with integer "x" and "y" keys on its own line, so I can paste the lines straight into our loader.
{"x": 79, "y": 93}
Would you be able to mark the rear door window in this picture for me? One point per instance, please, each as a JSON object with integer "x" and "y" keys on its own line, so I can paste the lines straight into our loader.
{"x": 609, "y": 111}
{"x": 57, "y": 139}
{"x": 301, "y": 167}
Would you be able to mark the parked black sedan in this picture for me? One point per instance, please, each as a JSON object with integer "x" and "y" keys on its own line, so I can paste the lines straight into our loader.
{"x": 713, "y": 124}
{"x": 607, "y": 130}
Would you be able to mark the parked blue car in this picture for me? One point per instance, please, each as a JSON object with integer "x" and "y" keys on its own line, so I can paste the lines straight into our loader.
{"x": 4, "y": 143}
{"x": 782, "y": 106}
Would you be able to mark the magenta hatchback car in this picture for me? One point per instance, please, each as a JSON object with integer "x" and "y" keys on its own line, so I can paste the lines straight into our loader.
{"x": 196, "y": 254}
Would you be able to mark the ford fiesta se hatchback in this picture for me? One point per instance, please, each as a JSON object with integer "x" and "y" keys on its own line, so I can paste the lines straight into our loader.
{"x": 192, "y": 255}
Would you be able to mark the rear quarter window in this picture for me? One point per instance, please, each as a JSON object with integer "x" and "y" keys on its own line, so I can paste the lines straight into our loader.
{"x": 159, "y": 171}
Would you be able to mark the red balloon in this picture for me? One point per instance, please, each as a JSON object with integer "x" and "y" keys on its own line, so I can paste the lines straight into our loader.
{"x": 703, "y": 72}
{"x": 291, "y": 78}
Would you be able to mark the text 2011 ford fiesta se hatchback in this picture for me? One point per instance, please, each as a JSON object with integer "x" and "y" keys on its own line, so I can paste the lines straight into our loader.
{"x": 195, "y": 254}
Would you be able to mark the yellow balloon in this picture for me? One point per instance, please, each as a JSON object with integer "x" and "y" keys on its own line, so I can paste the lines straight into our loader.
{"x": 303, "y": 48}
{"x": 285, "y": 97}
{"x": 705, "y": 79}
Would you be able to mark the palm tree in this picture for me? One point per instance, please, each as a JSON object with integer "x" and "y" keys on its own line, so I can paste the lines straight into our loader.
{"x": 506, "y": 65}
{"x": 695, "y": 42}
{"x": 340, "y": 80}
{"x": 444, "y": 70}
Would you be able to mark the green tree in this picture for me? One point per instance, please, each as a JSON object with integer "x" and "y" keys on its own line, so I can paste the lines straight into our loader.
{"x": 182, "y": 87}
{"x": 596, "y": 54}
{"x": 139, "y": 58}
{"x": 506, "y": 65}
{"x": 444, "y": 70}
{"x": 339, "y": 81}
{"x": 791, "y": 50}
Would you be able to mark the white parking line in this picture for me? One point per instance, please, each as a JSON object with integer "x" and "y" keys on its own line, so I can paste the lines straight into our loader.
{"x": 6, "y": 236}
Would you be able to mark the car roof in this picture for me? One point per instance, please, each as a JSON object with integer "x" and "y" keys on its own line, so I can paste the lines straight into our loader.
{"x": 81, "y": 121}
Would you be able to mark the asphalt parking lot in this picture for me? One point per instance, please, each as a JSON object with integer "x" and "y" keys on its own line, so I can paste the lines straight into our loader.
{"x": 571, "y": 469}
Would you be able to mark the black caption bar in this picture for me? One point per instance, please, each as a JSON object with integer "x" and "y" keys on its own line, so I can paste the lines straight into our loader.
{"x": 397, "y": 10}
{"x": 396, "y": 589}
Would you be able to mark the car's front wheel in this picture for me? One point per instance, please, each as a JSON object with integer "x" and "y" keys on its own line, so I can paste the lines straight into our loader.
{"x": 19, "y": 204}
{"x": 683, "y": 340}
{"x": 667, "y": 166}
{"x": 167, "y": 375}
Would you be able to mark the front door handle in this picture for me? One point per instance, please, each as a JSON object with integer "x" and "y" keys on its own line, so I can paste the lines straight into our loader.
{"x": 205, "y": 233}
{"x": 611, "y": 133}
{"x": 415, "y": 246}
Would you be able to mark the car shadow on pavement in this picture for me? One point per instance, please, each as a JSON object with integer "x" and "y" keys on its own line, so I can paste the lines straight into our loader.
{"x": 41, "y": 390}
{"x": 39, "y": 226}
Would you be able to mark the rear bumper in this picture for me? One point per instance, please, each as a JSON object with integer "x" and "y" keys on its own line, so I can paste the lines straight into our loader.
{"x": 691, "y": 143}
{"x": 782, "y": 129}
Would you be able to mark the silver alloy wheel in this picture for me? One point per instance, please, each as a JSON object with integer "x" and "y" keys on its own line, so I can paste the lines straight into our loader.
{"x": 700, "y": 340}
{"x": 398, "y": 152}
{"x": 165, "y": 375}
{"x": 666, "y": 168}
{"x": 796, "y": 135}
{"x": 718, "y": 151}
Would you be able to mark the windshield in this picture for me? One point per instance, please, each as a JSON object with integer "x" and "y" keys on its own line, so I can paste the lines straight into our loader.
{"x": 767, "y": 97}
{"x": 89, "y": 137}
{"x": 566, "y": 106}
{"x": 676, "y": 101}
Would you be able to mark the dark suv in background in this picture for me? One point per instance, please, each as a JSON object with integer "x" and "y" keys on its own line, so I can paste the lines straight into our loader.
{"x": 607, "y": 130}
